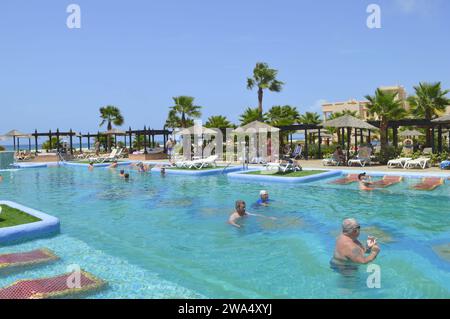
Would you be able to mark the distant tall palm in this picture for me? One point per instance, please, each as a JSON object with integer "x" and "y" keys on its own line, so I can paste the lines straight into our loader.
{"x": 387, "y": 107}
{"x": 283, "y": 116}
{"x": 264, "y": 78}
{"x": 428, "y": 102}
{"x": 310, "y": 118}
{"x": 218, "y": 121}
{"x": 110, "y": 114}
{"x": 183, "y": 112}
{"x": 251, "y": 115}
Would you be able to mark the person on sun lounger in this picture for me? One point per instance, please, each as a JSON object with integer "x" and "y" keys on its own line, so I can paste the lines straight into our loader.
{"x": 240, "y": 212}
{"x": 348, "y": 248}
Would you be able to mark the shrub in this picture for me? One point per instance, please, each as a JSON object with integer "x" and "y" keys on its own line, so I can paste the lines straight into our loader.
{"x": 2, "y": 148}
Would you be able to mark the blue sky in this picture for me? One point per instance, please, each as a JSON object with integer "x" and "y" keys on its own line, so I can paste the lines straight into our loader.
{"x": 139, "y": 54}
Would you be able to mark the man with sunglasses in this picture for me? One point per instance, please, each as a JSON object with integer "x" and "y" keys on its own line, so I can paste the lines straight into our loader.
{"x": 348, "y": 247}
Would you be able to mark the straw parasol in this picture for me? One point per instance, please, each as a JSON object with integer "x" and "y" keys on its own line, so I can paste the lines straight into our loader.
{"x": 442, "y": 120}
{"x": 410, "y": 133}
{"x": 349, "y": 122}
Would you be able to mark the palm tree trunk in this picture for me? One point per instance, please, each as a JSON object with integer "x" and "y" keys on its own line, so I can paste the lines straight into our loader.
{"x": 383, "y": 136}
{"x": 108, "y": 137}
{"x": 260, "y": 100}
{"x": 183, "y": 120}
{"x": 428, "y": 133}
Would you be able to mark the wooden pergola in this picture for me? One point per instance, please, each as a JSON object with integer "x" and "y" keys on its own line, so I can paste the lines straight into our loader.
{"x": 149, "y": 135}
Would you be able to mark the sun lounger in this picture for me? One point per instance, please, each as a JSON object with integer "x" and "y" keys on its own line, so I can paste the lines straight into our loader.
{"x": 34, "y": 257}
{"x": 388, "y": 181}
{"x": 51, "y": 287}
{"x": 429, "y": 183}
{"x": 283, "y": 167}
{"x": 331, "y": 162}
{"x": 422, "y": 162}
{"x": 398, "y": 162}
{"x": 205, "y": 162}
{"x": 351, "y": 178}
{"x": 362, "y": 158}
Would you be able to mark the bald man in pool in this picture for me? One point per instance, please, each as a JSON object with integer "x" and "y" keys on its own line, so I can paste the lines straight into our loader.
{"x": 240, "y": 212}
{"x": 349, "y": 249}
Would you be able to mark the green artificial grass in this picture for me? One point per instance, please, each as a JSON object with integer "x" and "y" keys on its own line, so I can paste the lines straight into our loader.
{"x": 12, "y": 217}
{"x": 288, "y": 174}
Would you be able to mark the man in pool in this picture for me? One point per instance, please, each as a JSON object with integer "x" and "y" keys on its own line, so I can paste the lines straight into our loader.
{"x": 263, "y": 198}
{"x": 365, "y": 184}
{"x": 113, "y": 165}
{"x": 240, "y": 212}
{"x": 91, "y": 166}
{"x": 1, "y": 178}
{"x": 122, "y": 173}
{"x": 163, "y": 171}
{"x": 348, "y": 248}
{"x": 126, "y": 176}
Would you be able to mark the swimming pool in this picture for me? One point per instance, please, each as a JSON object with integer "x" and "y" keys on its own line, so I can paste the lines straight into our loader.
{"x": 167, "y": 237}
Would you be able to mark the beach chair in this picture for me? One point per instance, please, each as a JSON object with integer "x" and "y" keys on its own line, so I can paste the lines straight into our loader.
{"x": 332, "y": 161}
{"x": 362, "y": 158}
{"x": 398, "y": 162}
{"x": 51, "y": 287}
{"x": 29, "y": 258}
{"x": 429, "y": 183}
{"x": 421, "y": 162}
{"x": 202, "y": 163}
{"x": 283, "y": 167}
{"x": 297, "y": 153}
{"x": 108, "y": 158}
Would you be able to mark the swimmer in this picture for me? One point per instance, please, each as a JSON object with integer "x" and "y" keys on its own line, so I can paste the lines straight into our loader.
{"x": 91, "y": 166}
{"x": 240, "y": 212}
{"x": 365, "y": 184}
{"x": 349, "y": 249}
{"x": 122, "y": 173}
{"x": 163, "y": 171}
{"x": 1, "y": 178}
{"x": 126, "y": 176}
{"x": 263, "y": 198}
{"x": 113, "y": 165}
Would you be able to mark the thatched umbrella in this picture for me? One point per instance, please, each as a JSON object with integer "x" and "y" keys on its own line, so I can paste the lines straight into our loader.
{"x": 197, "y": 130}
{"x": 410, "y": 133}
{"x": 443, "y": 119}
{"x": 254, "y": 127}
{"x": 16, "y": 134}
{"x": 349, "y": 122}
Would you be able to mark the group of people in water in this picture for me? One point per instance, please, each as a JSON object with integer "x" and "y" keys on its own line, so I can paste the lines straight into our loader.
{"x": 349, "y": 251}
{"x": 139, "y": 166}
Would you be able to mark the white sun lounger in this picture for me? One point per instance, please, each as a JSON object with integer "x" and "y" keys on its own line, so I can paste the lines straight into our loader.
{"x": 422, "y": 162}
{"x": 363, "y": 157}
{"x": 398, "y": 162}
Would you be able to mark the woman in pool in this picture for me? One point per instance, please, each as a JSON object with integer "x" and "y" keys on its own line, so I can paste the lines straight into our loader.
{"x": 365, "y": 184}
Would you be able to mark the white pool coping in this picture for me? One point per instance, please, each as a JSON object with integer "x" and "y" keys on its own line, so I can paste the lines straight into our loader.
{"x": 48, "y": 225}
{"x": 271, "y": 178}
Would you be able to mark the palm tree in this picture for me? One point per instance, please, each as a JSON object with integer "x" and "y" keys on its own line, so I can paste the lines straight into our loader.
{"x": 183, "y": 112}
{"x": 264, "y": 78}
{"x": 310, "y": 118}
{"x": 387, "y": 107}
{"x": 250, "y": 115}
{"x": 282, "y": 116}
{"x": 428, "y": 102}
{"x": 110, "y": 114}
{"x": 218, "y": 121}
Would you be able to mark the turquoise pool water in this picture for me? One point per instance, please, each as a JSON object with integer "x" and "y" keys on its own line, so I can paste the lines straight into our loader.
{"x": 155, "y": 237}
